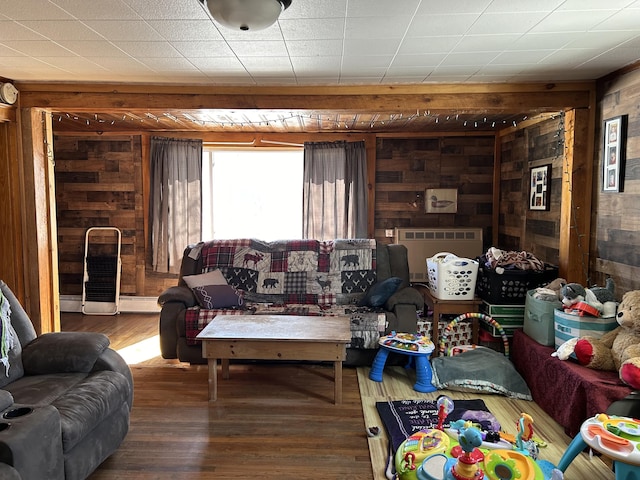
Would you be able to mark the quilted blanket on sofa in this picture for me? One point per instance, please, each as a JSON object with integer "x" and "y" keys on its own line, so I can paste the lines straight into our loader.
{"x": 296, "y": 277}
{"x": 295, "y": 271}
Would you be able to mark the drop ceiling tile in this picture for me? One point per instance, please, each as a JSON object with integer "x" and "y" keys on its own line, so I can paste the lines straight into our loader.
{"x": 376, "y": 46}
{"x": 186, "y": 30}
{"x": 419, "y": 60}
{"x": 625, "y": 20}
{"x": 102, "y": 10}
{"x": 323, "y": 66}
{"x": 531, "y": 41}
{"x": 484, "y": 43}
{"x": 599, "y": 40}
{"x": 315, "y": 9}
{"x": 203, "y": 49}
{"x": 271, "y": 64}
{"x": 592, "y": 4}
{"x": 218, "y": 64}
{"x": 520, "y": 57}
{"x": 380, "y": 8}
{"x": 10, "y": 30}
{"x": 313, "y": 29}
{"x": 490, "y": 23}
{"x": 351, "y": 70}
{"x": 33, "y": 10}
{"x": 93, "y": 49}
{"x": 39, "y": 48}
{"x": 408, "y": 71}
{"x": 571, "y": 21}
{"x": 124, "y": 65}
{"x": 469, "y": 59}
{"x": 459, "y": 6}
{"x": 7, "y": 52}
{"x": 62, "y": 30}
{"x": 306, "y": 48}
{"x": 384, "y": 27}
{"x": 125, "y": 30}
{"x": 75, "y": 65}
{"x": 148, "y": 49}
{"x": 267, "y": 48}
{"x": 511, "y": 6}
{"x": 569, "y": 58}
{"x": 168, "y": 64}
{"x": 441, "y": 44}
{"x": 369, "y": 61}
{"x": 169, "y": 9}
{"x": 440, "y": 24}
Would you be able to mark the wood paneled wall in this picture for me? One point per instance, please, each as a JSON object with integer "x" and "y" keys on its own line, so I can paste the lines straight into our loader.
{"x": 536, "y": 231}
{"x": 615, "y": 237}
{"x": 98, "y": 184}
{"x": 405, "y": 167}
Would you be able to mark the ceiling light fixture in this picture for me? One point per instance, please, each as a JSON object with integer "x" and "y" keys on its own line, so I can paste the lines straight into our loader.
{"x": 247, "y": 14}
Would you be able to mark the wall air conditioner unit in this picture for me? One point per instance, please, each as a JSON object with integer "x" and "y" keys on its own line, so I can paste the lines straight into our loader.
{"x": 423, "y": 243}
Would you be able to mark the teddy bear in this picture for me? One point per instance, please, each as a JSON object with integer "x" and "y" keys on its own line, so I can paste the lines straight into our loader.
{"x": 619, "y": 349}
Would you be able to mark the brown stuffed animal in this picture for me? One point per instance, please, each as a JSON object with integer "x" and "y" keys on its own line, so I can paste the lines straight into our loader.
{"x": 618, "y": 349}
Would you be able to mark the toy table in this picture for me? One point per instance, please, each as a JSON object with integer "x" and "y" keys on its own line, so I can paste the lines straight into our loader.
{"x": 416, "y": 347}
{"x": 615, "y": 437}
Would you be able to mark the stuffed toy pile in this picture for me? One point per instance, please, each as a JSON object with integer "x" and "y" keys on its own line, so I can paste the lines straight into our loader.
{"x": 617, "y": 350}
{"x": 601, "y": 299}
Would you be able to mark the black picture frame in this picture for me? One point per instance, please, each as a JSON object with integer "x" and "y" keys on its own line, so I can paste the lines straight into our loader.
{"x": 614, "y": 153}
{"x": 539, "y": 184}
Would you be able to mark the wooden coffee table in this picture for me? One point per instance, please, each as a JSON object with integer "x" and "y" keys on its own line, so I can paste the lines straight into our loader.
{"x": 275, "y": 337}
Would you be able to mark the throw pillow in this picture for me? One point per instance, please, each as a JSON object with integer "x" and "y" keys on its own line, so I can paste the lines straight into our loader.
{"x": 380, "y": 292}
{"x": 218, "y": 296}
{"x": 214, "y": 277}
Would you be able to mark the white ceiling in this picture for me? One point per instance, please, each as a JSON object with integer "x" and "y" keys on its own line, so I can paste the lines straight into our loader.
{"x": 324, "y": 42}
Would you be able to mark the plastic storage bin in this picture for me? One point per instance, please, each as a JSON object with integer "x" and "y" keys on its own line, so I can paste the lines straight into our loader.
{"x": 568, "y": 326}
{"x": 511, "y": 286}
{"x": 452, "y": 277}
{"x": 538, "y": 319}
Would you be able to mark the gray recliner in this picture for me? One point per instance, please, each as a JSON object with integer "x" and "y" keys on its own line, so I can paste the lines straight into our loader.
{"x": 65, "y": 399}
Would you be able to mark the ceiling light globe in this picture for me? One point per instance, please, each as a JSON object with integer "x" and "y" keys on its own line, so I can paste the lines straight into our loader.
{"x": 247, "y": 14}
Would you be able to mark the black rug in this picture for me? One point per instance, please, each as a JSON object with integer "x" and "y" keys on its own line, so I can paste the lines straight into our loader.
{"x": 403, "y": 418}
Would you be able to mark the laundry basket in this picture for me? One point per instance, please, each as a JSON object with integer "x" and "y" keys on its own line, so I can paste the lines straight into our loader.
{"x": 452, "y": 277}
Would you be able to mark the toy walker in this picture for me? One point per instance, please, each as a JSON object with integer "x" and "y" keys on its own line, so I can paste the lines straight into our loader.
{"x": 463, "y": 452}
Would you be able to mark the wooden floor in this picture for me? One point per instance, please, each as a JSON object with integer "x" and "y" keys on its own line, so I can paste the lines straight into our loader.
{"x": 270, "y": 421}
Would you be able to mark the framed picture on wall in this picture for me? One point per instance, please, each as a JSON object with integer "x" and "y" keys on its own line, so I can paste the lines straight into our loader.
{"x": 615, "y": 132}
{"x": 539, "y": 195}
{"x": 441, "y": 200}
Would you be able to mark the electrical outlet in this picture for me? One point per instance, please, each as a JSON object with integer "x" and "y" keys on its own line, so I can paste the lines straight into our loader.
{"x": 388, "y": 232}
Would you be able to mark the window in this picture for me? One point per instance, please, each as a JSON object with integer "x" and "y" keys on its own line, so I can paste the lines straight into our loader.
{"x": 253, "y": 193}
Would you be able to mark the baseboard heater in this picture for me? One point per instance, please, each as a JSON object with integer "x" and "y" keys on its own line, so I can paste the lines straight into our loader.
{"x": 423, "y": 243}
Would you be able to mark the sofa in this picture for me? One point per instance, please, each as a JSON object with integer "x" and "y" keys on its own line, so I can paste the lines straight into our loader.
{"x": 567, "y": 391}
{"x": 298, "y": 277}
{"x": 65, "y": 399}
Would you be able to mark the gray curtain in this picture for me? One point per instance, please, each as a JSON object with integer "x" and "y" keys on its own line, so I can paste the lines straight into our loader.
{"x": 335, "y": 193}
{"x": 175, "y": 203}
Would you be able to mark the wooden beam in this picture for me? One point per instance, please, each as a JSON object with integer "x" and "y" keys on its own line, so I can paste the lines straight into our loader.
{"x": 575, "y": 210}
{"x": 504, "y": 98}
{"x": 41, "y": 273}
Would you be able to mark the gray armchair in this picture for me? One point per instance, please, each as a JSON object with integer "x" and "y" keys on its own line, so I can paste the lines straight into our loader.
{"x": 65, "y": 400}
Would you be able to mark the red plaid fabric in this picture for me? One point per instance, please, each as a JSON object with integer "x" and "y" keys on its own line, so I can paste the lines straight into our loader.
{"x": 196, "y": 318}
